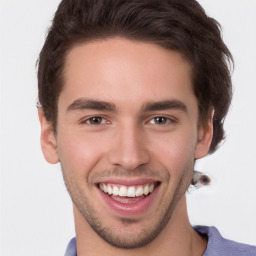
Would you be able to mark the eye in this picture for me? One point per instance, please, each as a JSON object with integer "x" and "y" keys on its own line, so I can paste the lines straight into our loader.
{"x": 95, "y": 120}
{"x": 160, "y": 120}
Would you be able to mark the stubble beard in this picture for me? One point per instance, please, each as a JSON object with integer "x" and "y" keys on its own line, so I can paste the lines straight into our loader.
{"x": 117, "y": 238}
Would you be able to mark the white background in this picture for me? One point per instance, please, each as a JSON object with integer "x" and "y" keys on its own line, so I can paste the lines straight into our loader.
{"x": 36, "y": 213}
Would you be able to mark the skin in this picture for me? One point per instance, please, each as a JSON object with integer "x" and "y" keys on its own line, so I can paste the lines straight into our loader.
{"x": 128, "y": 143}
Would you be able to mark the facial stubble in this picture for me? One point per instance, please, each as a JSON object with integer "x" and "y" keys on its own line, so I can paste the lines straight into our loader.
{"x": 118, "y": 238}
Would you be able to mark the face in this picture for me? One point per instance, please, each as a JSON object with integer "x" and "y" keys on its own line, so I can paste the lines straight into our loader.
{"x": 127, "y": 137}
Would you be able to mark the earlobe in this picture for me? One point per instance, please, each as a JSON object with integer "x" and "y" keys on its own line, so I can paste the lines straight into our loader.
{"x": 204, "y": 139}
{"x": 48, "y": 139}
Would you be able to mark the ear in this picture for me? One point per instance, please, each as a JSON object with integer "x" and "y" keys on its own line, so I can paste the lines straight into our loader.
{"x": 205, "y": 134}
{"x": 48, "y": 139}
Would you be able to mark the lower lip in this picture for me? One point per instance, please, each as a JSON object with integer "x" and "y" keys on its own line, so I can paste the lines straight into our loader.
{"x": 129, "y": 209}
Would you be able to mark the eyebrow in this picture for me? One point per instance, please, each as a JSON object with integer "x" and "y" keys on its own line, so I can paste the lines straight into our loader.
{"x": 165, "y": 105}
{"x": 84, "y": 103}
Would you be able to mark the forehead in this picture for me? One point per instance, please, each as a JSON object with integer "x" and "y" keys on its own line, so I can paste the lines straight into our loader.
{"x": 120, "y": 70}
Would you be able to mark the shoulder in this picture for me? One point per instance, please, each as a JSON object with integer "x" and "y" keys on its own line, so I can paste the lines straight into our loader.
{"x": 71, "y": 249}
{"x": 217, "y": 245}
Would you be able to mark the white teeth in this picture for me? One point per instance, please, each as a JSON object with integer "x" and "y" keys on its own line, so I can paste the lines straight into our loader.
{"x": 123, "y": 191}
{"x": 115, "y": 191}
{"x": 146, "y": 190}
{"x": 127, "y": 191}
{"x": 131, "y": 192}
{"x": 139, "y": 191}
{"x": 110, "y": 191}
{"x": 151, "y": 188}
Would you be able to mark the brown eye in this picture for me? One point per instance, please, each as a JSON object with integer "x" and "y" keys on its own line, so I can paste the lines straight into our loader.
{"x": 95, "y": 120}
{"x": 160, "y": 120}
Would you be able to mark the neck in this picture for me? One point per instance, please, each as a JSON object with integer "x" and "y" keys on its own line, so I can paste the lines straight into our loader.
{"x": 177, "y": 238}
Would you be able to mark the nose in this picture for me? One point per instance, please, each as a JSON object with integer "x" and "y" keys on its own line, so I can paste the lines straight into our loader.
{"x": 129, "y": 148}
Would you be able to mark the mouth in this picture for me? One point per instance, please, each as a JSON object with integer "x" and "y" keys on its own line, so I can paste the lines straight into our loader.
{"x": 127, "y": 191}
{"x": 132, "y": 199}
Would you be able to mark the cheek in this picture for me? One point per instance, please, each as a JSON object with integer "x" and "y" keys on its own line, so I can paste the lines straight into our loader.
{"x": 175, "y": 152}
{"x": 79, "y": 153}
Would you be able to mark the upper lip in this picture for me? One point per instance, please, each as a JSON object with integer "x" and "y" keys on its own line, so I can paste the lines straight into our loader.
{"x": 128, "y": 181}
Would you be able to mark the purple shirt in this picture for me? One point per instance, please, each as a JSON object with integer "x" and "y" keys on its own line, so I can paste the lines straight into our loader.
{"x": 217, "y": 245}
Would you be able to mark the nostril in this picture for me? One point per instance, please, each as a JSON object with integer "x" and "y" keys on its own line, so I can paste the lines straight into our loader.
{"x": 128, "y": 151}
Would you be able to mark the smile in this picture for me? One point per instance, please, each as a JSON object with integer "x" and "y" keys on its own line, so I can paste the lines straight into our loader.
{"x": 127, "y": 191}
{"x": 127, "y": 198}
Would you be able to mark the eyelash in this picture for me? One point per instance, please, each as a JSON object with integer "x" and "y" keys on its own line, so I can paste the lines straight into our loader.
{"x": 87, "y": 120}
{"x": 168, "y": 120}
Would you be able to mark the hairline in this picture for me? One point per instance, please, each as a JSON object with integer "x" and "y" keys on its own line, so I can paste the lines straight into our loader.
{"x": 82, "y": 40}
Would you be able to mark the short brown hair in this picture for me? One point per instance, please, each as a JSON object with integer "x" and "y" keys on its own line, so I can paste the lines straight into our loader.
{"x": 172, "y": 24}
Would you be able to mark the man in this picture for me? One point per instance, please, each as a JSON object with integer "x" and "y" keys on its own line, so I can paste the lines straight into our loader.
{"x": 131, "y": 94}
